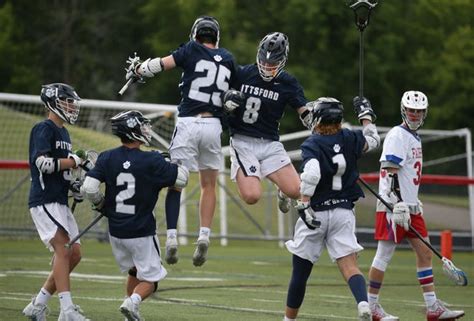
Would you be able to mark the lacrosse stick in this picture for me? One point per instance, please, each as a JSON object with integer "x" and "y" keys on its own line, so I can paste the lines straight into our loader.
{"x": 84, "y": 231}
{"x": 450, "y": 270}
{"x": 79, "y": 173}
{"x": 362, "y": 9}
{"x": 133, "y": 63}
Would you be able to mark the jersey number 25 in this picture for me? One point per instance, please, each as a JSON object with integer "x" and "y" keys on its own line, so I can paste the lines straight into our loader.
{"x": 216, "y": 74}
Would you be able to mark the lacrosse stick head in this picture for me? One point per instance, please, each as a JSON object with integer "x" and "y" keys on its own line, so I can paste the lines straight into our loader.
{"x": 452, "y": 272}
{"x": 79, "y": 173}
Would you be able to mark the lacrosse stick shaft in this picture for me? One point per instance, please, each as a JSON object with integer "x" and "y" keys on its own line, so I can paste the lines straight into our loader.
{"x": 125, "y": 87}
{"x": 84, "y": 231}
{"x": 384, "y": 202}
{"x": 361, "y": 64}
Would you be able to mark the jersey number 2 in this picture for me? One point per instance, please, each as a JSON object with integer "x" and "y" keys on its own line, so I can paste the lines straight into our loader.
{"x": 128, "y": 180}
{"x": 221, "y": 81}
{"x": 340, "y": 161}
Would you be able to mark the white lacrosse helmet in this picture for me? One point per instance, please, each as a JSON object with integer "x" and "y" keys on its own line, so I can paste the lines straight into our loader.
{"x": 412, "y": 102}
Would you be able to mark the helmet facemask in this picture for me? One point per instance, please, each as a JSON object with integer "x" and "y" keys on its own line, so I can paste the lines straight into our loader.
{"x": 70, "y": 108}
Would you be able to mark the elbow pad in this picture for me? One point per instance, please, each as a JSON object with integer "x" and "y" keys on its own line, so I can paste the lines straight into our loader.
{"x": 150, "y": 67}
{"x": 371, "y": 137}
{"x": 90, "y": 189}
{"x": 310, "y": 177}
{"x": 182, "y": 177}
{"x": 47, "y": 165}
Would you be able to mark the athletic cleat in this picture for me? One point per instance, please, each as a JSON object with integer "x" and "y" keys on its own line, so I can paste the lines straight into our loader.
{"x": 283, "y": 202}
{"x": 439, "y": 312}
{"x": 36, "y": 312}
{"x": 171, "y": 254}
{"x": 73, "y": 313}
{"x": 363, "y": 310}
{"x": 130, "y": 310}
{"x": 200, "y": 254}
{"x": 378, "y": 313}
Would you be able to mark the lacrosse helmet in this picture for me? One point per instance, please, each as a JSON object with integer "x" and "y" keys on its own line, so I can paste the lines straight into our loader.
{"x": 205, "y": 27}
{"x": 132, "y": 126}
{"x": 414, "y": 108}
{"x": 272, "y": 54}
{"x": 325, "y": 110}
{"x": 62, "y": 100}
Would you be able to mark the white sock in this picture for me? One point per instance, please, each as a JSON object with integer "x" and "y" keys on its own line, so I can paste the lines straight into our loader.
{"x": 373, "y": 298}
{"x": 430, "y": 298}
{"x": 171, "y": 233}
{"x": 65, "y": 300}
{"x": 288, "y": 319}
{"x": 204, "y": 233}
{"x": 42, "y": 297}
{"x": 136, "y": 298}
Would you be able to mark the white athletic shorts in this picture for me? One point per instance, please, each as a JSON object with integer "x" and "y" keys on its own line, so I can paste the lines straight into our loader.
{"x": 337, "y": 233}
{"x": 257, "y": 157}
{"x": 142, "y": 253}
{"x": 196, "y": 143}
{"x": 49, "y": 217}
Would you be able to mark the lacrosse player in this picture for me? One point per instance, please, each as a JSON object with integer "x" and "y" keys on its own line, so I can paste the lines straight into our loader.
{"x": 207, "y": 72}
{"x": 51, "y": 159}
{"x": 400, "y": 174}
{"x": 256, "y": 109}
{"x": 328, "y": 192}
{"x": 133, "y": 179}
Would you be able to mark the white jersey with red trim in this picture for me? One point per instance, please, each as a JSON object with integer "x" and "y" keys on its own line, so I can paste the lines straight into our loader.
{"x": 402, "y": 149}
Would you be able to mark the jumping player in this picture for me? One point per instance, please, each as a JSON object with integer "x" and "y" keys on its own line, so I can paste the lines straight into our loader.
{"x": 51, "y": 159}
{"x": 264, "y": 90}
{"x": 133, "y": 179}
{"x": 400, "y": 175}
{"x": 207, "y": 72}
{"x": 328, "y": 192}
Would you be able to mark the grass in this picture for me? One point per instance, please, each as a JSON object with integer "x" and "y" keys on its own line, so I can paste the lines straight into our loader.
{"x": 246, "y": 280}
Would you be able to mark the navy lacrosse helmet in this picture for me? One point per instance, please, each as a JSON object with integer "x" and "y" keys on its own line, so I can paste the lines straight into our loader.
{"x": 325, "y": 110}
{"x": 272, "y": 54}
{"x": 62, "y": 100}
{"x": 205, "y": 27}
{"x": 132, "y": 126}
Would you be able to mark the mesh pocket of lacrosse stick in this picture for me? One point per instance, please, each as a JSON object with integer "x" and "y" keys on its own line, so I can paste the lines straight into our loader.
{"x": 452, "y": 272}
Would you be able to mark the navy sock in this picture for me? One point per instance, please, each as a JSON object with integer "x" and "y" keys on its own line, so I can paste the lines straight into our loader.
{"x": 172, "y": 203}
{"x": 297, "y": 288}
{"x": 358, "y": 287}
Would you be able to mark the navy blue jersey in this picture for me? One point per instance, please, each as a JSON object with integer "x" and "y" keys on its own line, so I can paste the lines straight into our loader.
{"x": 337, "y": 155}
{"x": 266, "y": 102}
{"x": 52, "y": 141}
{"x": 206, "y": 74}
{"x": 133, "y": 179}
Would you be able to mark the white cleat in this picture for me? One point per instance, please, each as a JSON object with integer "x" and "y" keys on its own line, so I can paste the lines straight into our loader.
{"x": 363, "y": 310}
{"x": 36, "y": 312}
{"x": 171, "y": 253}
{"x": 73, "y": 313}
{"x": 379, "y": 314}
{"x": 200, "y": 254}
{"x": 283, "y": 202}
{"x": 130, "y": 310}
{"x": 438, "y": 311}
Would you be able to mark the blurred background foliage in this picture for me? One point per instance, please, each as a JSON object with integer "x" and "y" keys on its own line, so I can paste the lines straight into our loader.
{"x": 426, "y": 45}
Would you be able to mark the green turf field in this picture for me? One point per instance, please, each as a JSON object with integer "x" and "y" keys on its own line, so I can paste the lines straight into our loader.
{"x": 244, "y": 281}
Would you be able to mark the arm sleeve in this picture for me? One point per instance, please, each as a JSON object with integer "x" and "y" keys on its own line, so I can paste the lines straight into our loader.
{"x": 359, "y": 142}
{"x": 393, "y": 151}
{"x": 164, "y": 173}
{"x": 42, "y": 136}
{"x": 297, "y": 99}
{"x": 180, "y": 55}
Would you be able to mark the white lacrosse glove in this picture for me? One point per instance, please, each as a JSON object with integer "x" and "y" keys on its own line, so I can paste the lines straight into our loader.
{"x": 78, "y": 156}
{"x": 75, "y": 188}
{"x": 131, "y": 69}
{"x": 401, "y": 215}
{"x": 307, "y": 215}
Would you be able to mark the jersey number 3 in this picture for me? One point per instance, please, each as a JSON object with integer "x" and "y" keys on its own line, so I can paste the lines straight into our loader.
{"x": 216, "y": 74}
{"x": 128, "y": 180}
